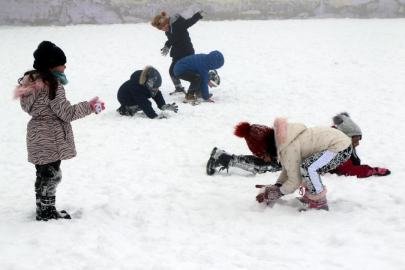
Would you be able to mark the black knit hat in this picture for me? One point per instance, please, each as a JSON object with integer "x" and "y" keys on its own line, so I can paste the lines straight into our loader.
{"x": 47, "y": 56}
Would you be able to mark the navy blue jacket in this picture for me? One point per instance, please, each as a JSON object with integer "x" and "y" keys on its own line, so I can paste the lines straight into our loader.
{"x": 201, "y": 64}
{"x": 178, "y": 38}
{"x": 132, "y": 93}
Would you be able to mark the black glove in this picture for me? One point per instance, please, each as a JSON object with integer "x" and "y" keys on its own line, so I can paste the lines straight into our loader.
{"x": 170, "y": 107}
{"x": 165, "y": 50}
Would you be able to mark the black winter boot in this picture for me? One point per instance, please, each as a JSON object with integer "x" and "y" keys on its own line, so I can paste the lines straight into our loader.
{"x": 38, "y": 203}
{"x": 48, "y": 210}
{"x": 218, "y": 158}
{"x": 121, "y": 110}
{"x": 129, "y": 110}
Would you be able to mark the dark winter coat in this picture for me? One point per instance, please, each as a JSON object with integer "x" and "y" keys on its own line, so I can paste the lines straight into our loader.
{"x": 132, "y": 92}
{"x": 49, "y": 133}
{"x": 178, "y": 37}
{"x": 201, "y": 64}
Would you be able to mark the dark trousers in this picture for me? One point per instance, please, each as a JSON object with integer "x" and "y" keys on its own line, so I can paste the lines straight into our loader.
{"x": 175, "y": 79}
{"x": 48, "y": 178}
{"x": 194, "y": 79}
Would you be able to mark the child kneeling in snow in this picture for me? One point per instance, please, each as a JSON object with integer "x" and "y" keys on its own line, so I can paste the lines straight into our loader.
{"x": 135, "y": 93}
{"x": 49, "y": 133}
{"x": 304, "y": 153}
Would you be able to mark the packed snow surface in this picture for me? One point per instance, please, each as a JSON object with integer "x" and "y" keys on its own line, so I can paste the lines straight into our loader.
{"x": 138, "y": 192}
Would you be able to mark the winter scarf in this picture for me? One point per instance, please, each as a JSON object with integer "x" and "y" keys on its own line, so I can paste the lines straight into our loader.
{"x": 61, "y": 77}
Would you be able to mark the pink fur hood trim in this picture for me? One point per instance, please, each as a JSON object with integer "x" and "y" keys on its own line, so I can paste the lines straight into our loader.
{"x": 280, "y": 126}
{"x": 21, "y": 90}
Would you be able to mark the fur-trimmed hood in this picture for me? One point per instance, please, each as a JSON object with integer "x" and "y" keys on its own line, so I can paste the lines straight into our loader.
{"x": 286, "y": 132}
{"x": 295, "y": 143}
{"x": 27, "y": 87}
{"x": 150, "y": 77}
{"x": 143, "y": 78}
{"x": 28, "y": 92}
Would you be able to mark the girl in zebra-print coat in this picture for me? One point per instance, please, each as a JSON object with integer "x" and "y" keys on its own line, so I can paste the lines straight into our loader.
{"x": 49, "y": 133}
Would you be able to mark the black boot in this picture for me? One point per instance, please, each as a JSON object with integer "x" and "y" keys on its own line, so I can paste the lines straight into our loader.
{"x": 48, "y": 210}
{"x": 218, "y": 158}
{"x": 123, "y": 111}
{"x": 129, "y": 110}
{"x": 38, "y": 203}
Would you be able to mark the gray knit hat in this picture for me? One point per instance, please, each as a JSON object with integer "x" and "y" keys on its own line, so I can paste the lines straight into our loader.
{"x": 345, "y": 124}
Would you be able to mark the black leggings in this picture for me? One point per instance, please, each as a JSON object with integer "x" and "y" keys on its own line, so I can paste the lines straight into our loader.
{"x": 48, "y": 178}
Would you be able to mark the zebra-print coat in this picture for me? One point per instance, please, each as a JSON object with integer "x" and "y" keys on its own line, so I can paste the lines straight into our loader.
{"x": 49, "y": 133}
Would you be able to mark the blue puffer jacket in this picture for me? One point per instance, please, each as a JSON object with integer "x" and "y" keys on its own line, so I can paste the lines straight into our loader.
{"x": 133, "y": 93}
{"x": 201, "y": 64}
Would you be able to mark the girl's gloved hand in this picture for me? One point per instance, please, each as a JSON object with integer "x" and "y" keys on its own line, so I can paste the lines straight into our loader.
{"x": 96, "y": 105}
{"x": 271, "y": 193}
{"x": 378, "y": 171}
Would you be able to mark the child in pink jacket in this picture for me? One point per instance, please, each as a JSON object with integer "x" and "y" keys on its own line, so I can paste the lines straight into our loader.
{"x": 49, "y": 133}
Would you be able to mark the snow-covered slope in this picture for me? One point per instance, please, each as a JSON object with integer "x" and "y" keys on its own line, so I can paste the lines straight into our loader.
{"x": 138, "y": 191}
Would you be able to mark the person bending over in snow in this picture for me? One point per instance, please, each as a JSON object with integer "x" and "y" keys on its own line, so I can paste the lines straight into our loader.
{"x": 49, "y": 133}
{"x": 195, "y": 69}
{"x": 304, "y": 153}
{"x": 135, "y": 93}
{"x": 353, "y": 167}
{"x": 178, "y": 40}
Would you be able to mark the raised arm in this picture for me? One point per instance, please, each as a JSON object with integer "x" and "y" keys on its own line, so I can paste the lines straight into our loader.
{"x": 196, "y": 17}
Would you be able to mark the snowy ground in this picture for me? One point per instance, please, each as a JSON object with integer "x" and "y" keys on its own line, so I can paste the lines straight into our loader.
{"x": 138, "y": 191}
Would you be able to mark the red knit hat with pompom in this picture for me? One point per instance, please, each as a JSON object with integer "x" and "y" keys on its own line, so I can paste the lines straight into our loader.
{"x": 255, "y": 136}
